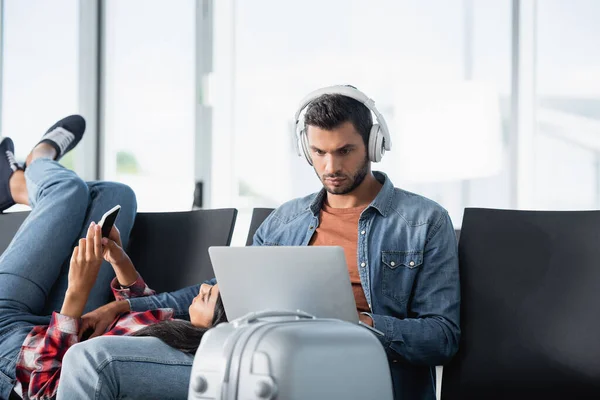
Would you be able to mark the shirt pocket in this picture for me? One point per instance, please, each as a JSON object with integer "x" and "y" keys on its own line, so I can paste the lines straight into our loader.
{"x": 399, "y": 271}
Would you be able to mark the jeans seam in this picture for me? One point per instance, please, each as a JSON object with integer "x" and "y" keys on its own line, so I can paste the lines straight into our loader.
{"x": 98, "y": 373}
{"x": 109, "y": 360}
{"x": 139, "y": 359}
{"x": 97, "y": 387}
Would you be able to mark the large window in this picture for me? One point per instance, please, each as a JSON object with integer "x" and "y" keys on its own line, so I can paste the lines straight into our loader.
{"x": 567, "y": 143}
{"x": 439, "y": 72}
{"x": 40, "y": 69}
{"x": 149, "y": 86}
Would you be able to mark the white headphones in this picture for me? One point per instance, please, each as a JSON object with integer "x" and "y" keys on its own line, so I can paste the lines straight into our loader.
{"x": 379, "y": 137}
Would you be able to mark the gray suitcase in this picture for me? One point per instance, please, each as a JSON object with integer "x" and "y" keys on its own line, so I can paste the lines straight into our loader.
{"x": 291, "y": 356}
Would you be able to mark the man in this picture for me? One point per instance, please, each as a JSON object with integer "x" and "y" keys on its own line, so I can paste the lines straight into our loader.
{"x": 400, "y": 249}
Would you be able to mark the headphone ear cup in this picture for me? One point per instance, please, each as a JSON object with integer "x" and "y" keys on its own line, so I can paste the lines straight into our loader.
{"x": 305, "y": 147}
{"x": 375, "y": 144}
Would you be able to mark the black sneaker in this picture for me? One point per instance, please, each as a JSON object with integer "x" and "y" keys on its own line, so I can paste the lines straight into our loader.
{"x": 65, "y": 134}
{"x": 8, "y": 165}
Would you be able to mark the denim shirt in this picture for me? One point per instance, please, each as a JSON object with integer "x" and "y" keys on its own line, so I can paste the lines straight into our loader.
{"x": 408, "y": 267}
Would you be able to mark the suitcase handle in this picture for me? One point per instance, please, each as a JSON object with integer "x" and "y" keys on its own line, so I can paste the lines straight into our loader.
{"x": 253, "y": 316}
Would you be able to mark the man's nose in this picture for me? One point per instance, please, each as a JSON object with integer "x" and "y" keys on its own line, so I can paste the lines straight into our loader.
{"x": 332, "y": 164}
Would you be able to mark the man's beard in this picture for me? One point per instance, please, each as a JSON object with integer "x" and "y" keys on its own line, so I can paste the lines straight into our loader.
{"x": 352, "y": 183}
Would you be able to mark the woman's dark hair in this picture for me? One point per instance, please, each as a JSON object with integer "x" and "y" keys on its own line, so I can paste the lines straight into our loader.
{"x": 180, "y": 334}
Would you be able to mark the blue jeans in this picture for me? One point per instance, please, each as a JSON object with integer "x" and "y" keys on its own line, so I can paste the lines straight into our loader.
{"x": 124, "y": 367}
{"x": 34, "y": 268}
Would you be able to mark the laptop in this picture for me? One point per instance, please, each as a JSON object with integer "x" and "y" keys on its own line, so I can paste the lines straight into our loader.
{"x": 313, "y": 279}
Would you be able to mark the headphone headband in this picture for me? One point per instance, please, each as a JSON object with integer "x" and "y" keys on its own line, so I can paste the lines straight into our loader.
{"x": 353, "y": 93}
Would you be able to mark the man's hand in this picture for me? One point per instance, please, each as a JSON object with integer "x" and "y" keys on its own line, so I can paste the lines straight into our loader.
{"x": 83, "y": 271}
{"x": 101, "y": 318}
{"x": 365, "y": 319}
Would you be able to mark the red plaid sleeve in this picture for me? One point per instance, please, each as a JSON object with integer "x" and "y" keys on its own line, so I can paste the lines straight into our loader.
{"x": 136, "y": 289}
{"x": 40, "y": 360}
{"x": 134, "y": 321}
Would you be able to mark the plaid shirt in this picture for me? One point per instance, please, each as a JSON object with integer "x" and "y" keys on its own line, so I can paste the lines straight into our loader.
{"x": 40, "y": 360}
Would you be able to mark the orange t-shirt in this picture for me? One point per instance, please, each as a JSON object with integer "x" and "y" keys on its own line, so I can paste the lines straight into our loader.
{"x": 339, "y": 227}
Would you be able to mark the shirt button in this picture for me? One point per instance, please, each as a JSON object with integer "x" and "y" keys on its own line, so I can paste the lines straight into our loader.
{"x": 363, "y": 265}
{"x": 362, "y": 232}
{"x": 392, "y": 263}
{"x": 412, "y": 263}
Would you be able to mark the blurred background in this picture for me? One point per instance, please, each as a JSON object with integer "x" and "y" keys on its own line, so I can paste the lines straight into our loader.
{"x": 491, "y": 103}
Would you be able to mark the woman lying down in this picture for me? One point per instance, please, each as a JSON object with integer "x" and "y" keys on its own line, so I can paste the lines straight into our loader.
{"x": 53, "y": 273}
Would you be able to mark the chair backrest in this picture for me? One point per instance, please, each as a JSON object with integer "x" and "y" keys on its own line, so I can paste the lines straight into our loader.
{"x": 170, "y": 250}
{"x": 9, "y": 225}
{"x": 258, "y": 216}
{"x": 530, "y": 285}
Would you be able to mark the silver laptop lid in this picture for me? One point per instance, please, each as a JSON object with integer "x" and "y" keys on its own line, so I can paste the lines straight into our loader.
{"x": 311, "y": 279}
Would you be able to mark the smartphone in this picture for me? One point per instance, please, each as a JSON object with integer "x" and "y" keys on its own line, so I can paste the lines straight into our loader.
{"x": 108, "y": 220}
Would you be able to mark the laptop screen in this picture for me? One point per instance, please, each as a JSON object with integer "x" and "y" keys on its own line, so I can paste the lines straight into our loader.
{"x": 310, "y": 279}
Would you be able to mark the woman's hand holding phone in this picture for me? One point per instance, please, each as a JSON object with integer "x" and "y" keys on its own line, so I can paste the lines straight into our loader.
{"x": 112, "y": 247}
{"x": 85, "y": 263}
{"x": 86, "y": 260}
{"x": 113, "y": 253}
